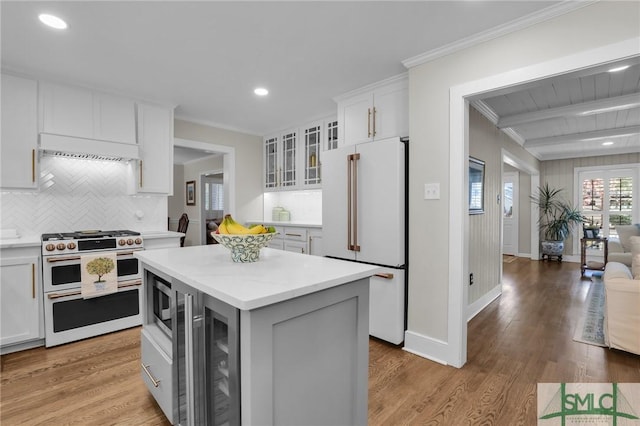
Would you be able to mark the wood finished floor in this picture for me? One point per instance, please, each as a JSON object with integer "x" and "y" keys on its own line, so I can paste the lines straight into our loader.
{"x": 523, "y": 338}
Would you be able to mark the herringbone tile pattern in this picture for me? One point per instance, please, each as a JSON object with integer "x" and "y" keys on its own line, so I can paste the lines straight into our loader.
{"x": 80, "y": 194}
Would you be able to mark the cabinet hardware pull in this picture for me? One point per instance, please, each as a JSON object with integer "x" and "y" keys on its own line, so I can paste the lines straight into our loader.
{"x": 310, "y": 243}
{"x": 387, "y": 276}
{"x": 64, "y": 259}
{"x": 155, "y": 381}
{"x": 33, "y": 165}
{"x": 189, "y": 358}
{"x": 140, "y": 173}
{"x": 368, "y": 122}
{"x": 33, "y": 280}
{"x": 293, "y": 235}
{"x": 121, "y": 284}
{"x": 374, "y": 122}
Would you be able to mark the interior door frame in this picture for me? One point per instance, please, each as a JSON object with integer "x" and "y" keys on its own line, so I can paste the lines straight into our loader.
{"x": 515, "y": 207}
{"x": 459, "y": 97}
{"x": 228, "y": 170}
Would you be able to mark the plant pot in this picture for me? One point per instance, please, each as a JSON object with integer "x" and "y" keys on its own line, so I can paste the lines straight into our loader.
{"x": 552, "y": 249}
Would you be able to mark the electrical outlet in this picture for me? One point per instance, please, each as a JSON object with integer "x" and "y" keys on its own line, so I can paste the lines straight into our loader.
{"x": 471, "y": 279}
{"x": 431, "y": 191}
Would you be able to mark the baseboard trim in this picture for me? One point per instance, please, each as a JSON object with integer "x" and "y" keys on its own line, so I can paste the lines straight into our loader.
{"x": 476, "y": 307}
{"x": 525, "y": 255}
{"x": 426, "y": 347}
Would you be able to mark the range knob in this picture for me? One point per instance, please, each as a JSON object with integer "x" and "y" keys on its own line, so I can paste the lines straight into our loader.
{"x": 138, "y": 240}
{"x": 130, "y": 241}
{"x": 122, "y": 242}
{"x": 61, "y": 246}
{"x": 50, "y": 247}
{"x": 71, "y": 246}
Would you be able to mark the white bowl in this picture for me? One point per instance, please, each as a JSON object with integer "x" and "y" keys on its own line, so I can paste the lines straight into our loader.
{"x": 244, "y": 248}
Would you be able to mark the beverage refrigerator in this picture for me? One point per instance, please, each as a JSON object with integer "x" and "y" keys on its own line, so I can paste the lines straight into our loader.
{"x": 364, "y": 208}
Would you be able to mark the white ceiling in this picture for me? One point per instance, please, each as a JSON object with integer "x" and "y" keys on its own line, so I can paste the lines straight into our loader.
{"x": 206, "y": 57}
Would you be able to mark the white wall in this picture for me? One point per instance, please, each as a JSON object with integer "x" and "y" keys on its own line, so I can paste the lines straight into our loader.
{"x": 430, "y": 86}
{"x": 304, "y": 206}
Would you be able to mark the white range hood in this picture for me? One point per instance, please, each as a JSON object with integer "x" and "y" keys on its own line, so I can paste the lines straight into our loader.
{"x": 89, "y": 149}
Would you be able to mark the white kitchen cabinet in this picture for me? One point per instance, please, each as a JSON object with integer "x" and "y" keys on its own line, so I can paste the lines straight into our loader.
{"x": 153, "y": 173}
{"x": 292, "y": 158}
{"x": 331, "y": 135}
{"x": 315, "y": 242}
{"x": 375, "y": 112}
{"x": 281, "y": 161}
{"x": 86, "y": 114}
{"x": 295, "y": 239}
{"x": 21, "y": 310}
{"x": 19, "y": 144}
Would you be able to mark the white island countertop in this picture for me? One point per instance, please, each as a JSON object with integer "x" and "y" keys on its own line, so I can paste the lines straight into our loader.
{"x": 277, "y": 276}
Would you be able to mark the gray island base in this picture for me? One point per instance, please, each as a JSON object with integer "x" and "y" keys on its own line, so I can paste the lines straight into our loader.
{"x": 281, "y": 341}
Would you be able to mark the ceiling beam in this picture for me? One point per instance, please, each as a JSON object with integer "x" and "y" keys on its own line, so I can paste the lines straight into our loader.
{"x": 586, "y": 136}
{"x": 616, "y": 103}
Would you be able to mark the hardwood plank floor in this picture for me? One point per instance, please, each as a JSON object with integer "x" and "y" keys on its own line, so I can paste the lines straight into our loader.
{"x": 523, "y": 338}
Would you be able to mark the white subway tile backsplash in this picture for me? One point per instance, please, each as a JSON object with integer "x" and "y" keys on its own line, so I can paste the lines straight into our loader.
{"x": 81, "y": 194}
{"x": 305, "y": 206}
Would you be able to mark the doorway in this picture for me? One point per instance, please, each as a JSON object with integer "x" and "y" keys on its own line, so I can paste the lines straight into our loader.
{"x": 226, "y": 172}
{"x": 460, "y": 97}
{"x": 510, "y": 210}
{"x": 212, "y": 206}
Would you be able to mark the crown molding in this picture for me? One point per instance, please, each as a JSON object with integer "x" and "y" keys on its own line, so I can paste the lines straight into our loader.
{"x": 209, "y": 123}
{"x": 400, "y": 79}
{"x": 498, "y": 31}
{"x": 486, "y": 110}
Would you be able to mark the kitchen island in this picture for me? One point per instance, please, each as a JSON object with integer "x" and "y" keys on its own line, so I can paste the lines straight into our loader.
{"x": 283, "y": 340}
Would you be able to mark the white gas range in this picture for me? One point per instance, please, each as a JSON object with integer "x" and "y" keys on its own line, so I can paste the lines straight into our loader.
{"x": 69, "y": 316}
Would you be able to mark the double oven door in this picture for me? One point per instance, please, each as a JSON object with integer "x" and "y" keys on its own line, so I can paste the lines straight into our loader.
{"x": 70, "y": 317}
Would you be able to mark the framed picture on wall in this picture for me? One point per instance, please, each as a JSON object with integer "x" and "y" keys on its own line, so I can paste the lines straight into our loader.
{"x": 191, "y": 193}
{"x": 476, "y": 186}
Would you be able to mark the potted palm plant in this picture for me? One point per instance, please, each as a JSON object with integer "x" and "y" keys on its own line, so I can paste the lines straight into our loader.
{"x": 557, "y": 217}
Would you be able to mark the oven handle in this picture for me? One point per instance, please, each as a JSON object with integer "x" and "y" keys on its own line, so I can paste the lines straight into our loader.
{"x": 64, "y": 259}
{"x": 121, "y": 284}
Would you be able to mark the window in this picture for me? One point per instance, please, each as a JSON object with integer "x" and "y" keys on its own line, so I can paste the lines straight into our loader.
{"x": 607, "y": 197}
{"x": 213, "y": 196}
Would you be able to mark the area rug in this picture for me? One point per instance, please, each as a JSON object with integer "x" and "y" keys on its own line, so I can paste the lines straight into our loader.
{"x": 590, "y": 327}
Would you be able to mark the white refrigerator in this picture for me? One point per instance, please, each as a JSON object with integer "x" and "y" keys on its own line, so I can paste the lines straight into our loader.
{"x": 363, "y": 220}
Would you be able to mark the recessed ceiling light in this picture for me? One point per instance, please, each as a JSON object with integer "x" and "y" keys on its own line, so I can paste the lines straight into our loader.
{"x": 607, "y": 143}
{"x": 616, "y": 69}
{"x": 52, "y": 21}
{"x": 261, "y": 91}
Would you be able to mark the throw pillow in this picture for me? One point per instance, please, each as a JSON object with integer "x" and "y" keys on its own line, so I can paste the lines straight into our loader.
{"x": 635, "y": 257}
{"x": 625, "y": 232}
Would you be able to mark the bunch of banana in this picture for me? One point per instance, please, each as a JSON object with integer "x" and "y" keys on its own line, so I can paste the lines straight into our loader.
{"x": 230, "y": 226}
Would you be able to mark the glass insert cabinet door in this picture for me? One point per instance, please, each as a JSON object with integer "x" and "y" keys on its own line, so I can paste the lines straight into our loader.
{"x": 289, "y": 159}
{"x": 206, "y": 363}
{"x": 271, "y": 162}
{"x": 312, "y": 155}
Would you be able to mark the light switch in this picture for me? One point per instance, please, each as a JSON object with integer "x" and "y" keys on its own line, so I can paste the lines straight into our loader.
{"x": 431, "y": 191}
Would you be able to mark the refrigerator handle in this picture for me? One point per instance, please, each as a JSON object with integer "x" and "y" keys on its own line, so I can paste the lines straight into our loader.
{"x": 349, "y": 199}
{"x": 356, "y": 158}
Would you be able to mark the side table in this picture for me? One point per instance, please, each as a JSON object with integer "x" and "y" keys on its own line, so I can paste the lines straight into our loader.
{"x": 583, "y": 254}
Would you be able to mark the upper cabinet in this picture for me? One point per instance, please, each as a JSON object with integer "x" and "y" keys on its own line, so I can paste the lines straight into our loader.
{"x": 378, "y": 111}
{"x": 19, "y": 143}
{"x": 153, "y": 173}
{"x": 87, "y": 114}
{"x": 292, "y": 158}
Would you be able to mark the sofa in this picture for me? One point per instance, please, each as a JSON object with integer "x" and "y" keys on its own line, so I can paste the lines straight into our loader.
{"x": 622, "y": 302}
{"x": 620, "y": 247}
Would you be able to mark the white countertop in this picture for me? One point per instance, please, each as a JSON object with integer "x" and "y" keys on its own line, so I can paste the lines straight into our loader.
{"x": 22, "y": 241}
{"x": 277, "y": 276}
{"x": 160, "y": 234}
{"x": 287, "y": 223}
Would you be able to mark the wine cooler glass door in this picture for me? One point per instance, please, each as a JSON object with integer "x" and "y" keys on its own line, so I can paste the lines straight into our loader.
{"x": 221, "y": 360}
